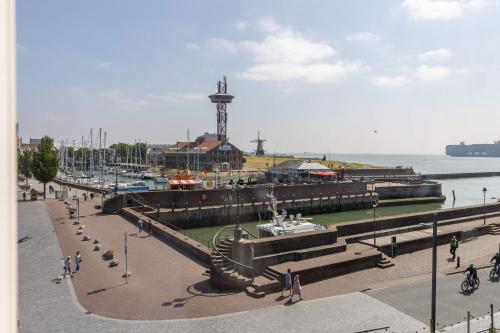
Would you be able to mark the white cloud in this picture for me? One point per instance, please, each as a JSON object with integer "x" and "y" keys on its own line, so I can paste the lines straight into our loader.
{"x": 391, "y": 81}
{"x": 287, "y": 46}
{"x": 316, "y": 72}
{"x": 128, "y": 101}
{"x": 175, "y": 97}
{"x": 105, "y": 65}
{"x": 435, "y": 54}
{"x": 285, "y": 54}
{"x": 125, "y": 101}
{"x": 442, "y": 9}
{"x": 241, "y": 25}
{"x": 432, "y": 73}
{"x": 268, "y": 24}
{"x": 363, "y": 37}
{"x": 222, "y": 45}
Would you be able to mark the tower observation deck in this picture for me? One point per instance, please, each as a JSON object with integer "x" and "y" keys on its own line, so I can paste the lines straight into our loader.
{"x": 221, "y": 98}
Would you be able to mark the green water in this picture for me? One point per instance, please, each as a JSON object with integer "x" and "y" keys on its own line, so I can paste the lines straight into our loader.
{"x": 205, "y": 235}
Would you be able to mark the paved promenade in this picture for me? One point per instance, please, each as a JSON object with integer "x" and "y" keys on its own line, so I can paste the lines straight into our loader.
{"x": 49, "y": 307}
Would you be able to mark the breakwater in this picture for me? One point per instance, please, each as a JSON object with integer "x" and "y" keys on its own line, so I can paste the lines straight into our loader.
{"x": 460, "y": 175}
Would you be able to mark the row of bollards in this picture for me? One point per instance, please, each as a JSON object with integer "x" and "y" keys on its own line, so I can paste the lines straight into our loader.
{"x": 491, "y": 329}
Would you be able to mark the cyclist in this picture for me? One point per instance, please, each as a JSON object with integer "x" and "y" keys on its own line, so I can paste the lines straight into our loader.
{"x": 472, "y": 270}
{"x": 496, "y": 258}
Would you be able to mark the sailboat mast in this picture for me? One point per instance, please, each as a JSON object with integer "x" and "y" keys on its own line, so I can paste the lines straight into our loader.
{"x": 91, "y": 154}
{"x": 187, "y": 164}
{"x": 99, "y": 155}
{"x": 73, "y": 161}
{"x": 104, "y": 152}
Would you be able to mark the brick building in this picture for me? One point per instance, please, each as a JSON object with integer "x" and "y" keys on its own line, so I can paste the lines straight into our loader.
{"x": 206, "y": 153}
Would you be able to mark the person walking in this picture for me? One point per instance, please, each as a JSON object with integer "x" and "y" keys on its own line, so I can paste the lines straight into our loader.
{"x": 67, "y": 266}
{"x": 140, "y": 227}
{"x": 288, "y": 282}
{"x": 24, "y": 196}
{"x": 296, "y": 288}
{"x": 78, "y": 261}
{"x": 453, "y": 246}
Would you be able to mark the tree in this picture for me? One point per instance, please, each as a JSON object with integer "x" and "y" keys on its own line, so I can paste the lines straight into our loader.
{"x": 45, "y": 163}
{"x": 24, "y": 164}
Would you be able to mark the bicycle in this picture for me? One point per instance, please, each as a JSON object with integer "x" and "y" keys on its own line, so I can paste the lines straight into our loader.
{"x": 469, "y": 282}
{"x": 495, "y": 270}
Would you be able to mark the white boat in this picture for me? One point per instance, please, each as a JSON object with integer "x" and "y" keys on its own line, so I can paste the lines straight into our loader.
{"x": 130, "y": 187}
{"x": 161, "y": 180}
{"x": 280, "y": 225}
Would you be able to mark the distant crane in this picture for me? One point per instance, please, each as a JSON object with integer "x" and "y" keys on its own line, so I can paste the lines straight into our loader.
{"x": 260, "y": 145}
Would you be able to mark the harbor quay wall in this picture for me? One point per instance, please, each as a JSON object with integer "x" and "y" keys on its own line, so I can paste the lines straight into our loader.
{"x": 170, "y": 236}
{"x": 418, "y": 244}
{"x": 427, "y": 189}
{"x": 460, "y": 175}
{"x": 79, "y": 186}
{"x": 366, "y": 226}
{"x": 218, "y": 197}
{"x": 379, "y": 172}
{"x": 264, "y": 252}
{"x": 226, "y": 214}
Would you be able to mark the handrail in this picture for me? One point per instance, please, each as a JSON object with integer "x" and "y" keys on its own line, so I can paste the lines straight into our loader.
{"x": 215, "y": 242}
{"x": 248, "y": 232}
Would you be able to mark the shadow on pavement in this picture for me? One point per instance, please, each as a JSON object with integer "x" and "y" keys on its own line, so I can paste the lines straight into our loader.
{"x": 104, "y": 289}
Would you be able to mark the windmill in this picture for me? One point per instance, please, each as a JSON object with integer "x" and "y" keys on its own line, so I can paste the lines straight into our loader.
{"x": 260, "y": 145}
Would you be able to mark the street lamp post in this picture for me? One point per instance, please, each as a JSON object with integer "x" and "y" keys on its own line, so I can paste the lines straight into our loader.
{"x": 374, "y": 229}
{"x": 77, "y": 210}
{"x": 238, "y": 208}
{"x": 484, "y": 205}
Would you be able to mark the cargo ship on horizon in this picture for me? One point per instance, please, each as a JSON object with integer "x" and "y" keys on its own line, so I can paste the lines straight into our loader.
{"x": 474, "y": 150}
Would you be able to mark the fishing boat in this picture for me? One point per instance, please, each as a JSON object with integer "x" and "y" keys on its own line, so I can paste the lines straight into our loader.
{"x": 282, "y": 224}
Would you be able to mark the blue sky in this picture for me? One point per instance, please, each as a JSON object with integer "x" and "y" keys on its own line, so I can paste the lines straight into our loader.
{"x": 317, "y": 76}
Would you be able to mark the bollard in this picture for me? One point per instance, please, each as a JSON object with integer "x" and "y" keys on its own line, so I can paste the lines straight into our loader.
{"x": 492, "y": 323}
{"x": 458, "y": 262}
{"x": 468, "y": 321}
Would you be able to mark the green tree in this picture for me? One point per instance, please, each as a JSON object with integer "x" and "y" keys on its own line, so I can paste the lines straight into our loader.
{"x": 45, "y": 162}
{"x": 24, "y": 164}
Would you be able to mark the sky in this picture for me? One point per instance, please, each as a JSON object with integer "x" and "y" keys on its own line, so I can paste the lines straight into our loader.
{"x": 379, "y": 77}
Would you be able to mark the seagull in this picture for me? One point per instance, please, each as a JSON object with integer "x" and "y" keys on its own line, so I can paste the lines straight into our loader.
{"x": 375, "y": 132}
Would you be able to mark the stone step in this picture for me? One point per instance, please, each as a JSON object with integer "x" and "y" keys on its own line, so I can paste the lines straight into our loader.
{"x": 262, "y": 284}
{"x": 384, "y": 263}
{"x": 271, "y": 275}
{"x": 252, "y": 292}
{"x": 268, "y": 276}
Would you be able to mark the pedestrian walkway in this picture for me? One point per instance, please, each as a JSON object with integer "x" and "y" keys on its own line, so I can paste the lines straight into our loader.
{"x": 48, "y": 307}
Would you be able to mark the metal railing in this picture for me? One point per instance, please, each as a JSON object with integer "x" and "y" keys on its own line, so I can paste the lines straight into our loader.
{"x": 216, "y": 242}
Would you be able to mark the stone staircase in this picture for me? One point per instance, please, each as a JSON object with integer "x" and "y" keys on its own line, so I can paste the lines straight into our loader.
{"x": 494, "y": 229}
{"x": 224, "y": 275}
{"x": 223, "y": 272}
{"x": 385, "y": 262}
